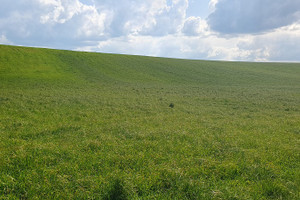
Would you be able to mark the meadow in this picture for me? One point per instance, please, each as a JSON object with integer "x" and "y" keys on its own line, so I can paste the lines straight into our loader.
{"x": 78, "y": 125}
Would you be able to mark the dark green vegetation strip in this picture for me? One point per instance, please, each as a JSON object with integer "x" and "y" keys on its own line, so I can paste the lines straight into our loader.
{"x": 77, "y": 125}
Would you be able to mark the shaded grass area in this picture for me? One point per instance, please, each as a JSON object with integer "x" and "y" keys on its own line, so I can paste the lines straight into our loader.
{"x": 85, "y": 125}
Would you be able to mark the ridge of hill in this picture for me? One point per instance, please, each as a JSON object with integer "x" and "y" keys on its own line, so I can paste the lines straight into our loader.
{"x": 50, "y": 64}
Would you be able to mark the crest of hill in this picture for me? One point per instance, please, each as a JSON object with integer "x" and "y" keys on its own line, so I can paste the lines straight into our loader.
{"x": 46, "y": 65}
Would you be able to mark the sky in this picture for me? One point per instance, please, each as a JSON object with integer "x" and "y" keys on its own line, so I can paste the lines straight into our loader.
{"x": 239, "y": 30}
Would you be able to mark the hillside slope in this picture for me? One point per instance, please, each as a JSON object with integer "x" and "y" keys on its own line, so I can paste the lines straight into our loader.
{"x": 47, "y": 64}
{"x": 78, "y": 125}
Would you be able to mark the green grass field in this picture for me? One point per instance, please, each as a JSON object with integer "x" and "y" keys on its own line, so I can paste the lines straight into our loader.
{"x": 77, "y": 125}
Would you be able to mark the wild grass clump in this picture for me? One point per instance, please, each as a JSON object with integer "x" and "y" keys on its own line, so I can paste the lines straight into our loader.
{"x": 116, "y": 191}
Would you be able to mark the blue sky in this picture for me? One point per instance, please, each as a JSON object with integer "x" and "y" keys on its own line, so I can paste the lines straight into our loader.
{"x": 256, "y": 30}
{"x": 198, "y": 8}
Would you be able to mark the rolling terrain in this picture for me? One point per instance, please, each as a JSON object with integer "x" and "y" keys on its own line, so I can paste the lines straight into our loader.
{"x": 78, "y": 125}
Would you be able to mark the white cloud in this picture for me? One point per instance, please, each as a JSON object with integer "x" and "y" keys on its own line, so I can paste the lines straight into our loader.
{"x": 195, "y": 26}
{"x": 283, "y": 44}
{"x": 280, "y": 45}
{"x": 83, "y": 20}
{"x": 155, "y": 28}
{"x": 212, "y": 4}
{"x": 54, "y": 23}
{"x": 4, "y": 40}
{"x": 156, "y": 17}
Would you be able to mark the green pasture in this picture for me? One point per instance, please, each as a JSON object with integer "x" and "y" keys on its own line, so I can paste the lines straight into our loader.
{"x": 78, "y": 125}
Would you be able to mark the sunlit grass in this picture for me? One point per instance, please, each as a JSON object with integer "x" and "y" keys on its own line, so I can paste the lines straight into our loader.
{"x": 100, "y": 126}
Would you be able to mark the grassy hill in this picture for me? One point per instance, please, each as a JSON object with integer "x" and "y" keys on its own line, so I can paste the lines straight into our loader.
{"x": 77, "y": 125}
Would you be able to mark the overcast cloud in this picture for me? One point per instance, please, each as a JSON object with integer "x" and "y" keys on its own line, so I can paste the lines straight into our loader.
{"x": 256, "y": 30}
{"x": 253, "y": 16}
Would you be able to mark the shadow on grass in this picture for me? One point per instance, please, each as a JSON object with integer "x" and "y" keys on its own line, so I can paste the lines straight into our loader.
{"x": 116, "y": 191}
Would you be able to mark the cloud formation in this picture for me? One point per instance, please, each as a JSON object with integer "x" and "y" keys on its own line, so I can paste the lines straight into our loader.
{"x": 194, "y": 26}
{"x": 52, "y": 23}
{"x": 48, "y": 21}
{"x": 157, "y": 28}
{"x": 255, "y": 16}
